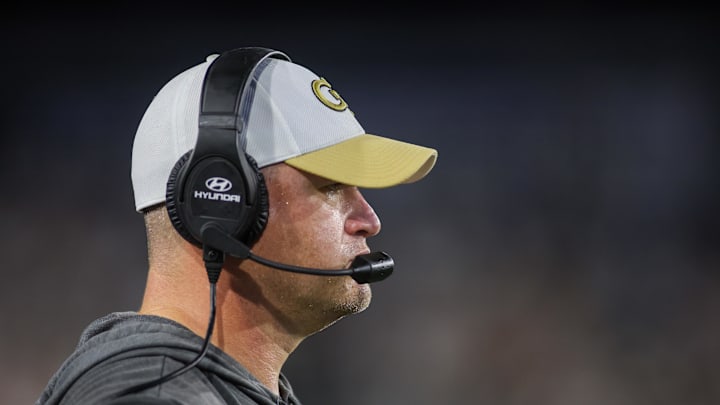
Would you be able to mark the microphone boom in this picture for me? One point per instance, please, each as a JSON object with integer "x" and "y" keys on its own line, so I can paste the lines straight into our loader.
{"x": 367, "y": 268}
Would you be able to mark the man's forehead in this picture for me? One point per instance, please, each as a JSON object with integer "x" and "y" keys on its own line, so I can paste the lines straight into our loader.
{"x": 287, "y": 172}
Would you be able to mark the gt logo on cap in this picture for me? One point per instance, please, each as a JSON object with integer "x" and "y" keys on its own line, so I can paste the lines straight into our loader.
{"x": 324, "y": 92}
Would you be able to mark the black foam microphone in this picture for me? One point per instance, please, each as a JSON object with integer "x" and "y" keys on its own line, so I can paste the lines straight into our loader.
{"x": 367, "y": 268}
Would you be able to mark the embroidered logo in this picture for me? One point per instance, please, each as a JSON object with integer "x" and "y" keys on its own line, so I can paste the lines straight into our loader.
{"x": 325, "y": 93}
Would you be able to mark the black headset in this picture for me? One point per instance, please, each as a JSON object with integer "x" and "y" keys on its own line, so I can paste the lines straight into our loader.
{"x": 217, "y": 186}
{"x": 218, "y": 183}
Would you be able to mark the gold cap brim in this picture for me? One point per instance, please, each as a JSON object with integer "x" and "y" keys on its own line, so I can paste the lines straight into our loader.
{"x": 369, "y": 161}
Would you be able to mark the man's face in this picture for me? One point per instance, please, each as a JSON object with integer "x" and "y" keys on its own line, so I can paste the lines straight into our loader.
{"x": 313, "y": 222}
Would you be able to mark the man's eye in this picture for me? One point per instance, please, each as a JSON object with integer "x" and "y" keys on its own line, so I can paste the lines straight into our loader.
{"x": 331, "y": 188}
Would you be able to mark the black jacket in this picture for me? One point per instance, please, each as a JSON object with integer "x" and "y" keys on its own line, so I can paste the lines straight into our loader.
{"x": 125, "y": 349}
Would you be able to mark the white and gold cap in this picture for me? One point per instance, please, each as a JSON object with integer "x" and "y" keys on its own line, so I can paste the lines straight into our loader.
{"x": 294, "y": 117}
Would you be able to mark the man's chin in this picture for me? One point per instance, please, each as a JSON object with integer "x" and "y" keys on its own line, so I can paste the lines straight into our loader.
{"x": 361, "y": 299}
{"x": 350, "y": 308}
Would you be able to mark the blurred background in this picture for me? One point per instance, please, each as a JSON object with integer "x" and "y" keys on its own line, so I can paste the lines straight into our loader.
{"x": 565, "y": 249}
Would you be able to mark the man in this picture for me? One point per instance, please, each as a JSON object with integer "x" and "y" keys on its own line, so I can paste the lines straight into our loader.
{"x": 291, "y": 158}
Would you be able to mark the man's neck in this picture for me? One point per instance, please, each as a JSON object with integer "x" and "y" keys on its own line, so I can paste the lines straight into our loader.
{"x": 243, "y": 330}
{"x": 250, "y": 335}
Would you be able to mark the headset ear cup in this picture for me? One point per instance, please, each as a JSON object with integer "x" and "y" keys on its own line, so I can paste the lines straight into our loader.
{"x": 256, "y": 229}
{"x": 172, "y": 193}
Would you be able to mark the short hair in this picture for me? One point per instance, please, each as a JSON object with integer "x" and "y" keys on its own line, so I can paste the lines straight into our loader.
{"x": 159, "y": 231}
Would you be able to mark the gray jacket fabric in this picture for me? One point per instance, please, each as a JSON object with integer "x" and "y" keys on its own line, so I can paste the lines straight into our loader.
{"x": 125, "y": 349}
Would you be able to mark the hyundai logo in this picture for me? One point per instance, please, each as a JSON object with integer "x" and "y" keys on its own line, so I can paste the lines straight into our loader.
{"x": 218, "y": 184}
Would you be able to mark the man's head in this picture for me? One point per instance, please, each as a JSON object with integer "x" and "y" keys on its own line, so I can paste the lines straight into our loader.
{"x": 312, "y": 152}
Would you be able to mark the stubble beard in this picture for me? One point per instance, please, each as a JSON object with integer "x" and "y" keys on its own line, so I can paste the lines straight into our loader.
{"x": 356, "y": 301}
